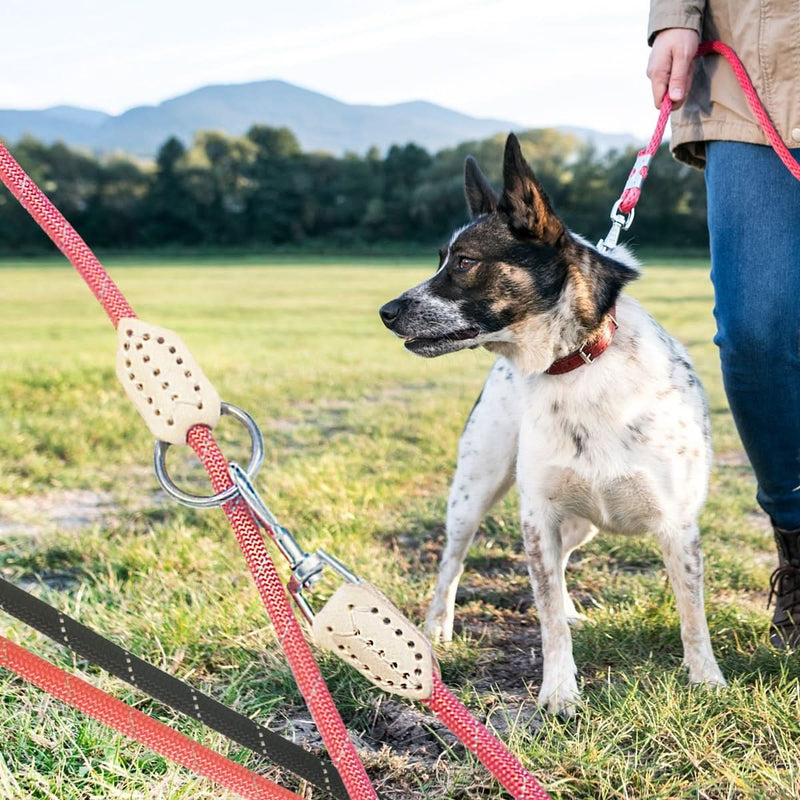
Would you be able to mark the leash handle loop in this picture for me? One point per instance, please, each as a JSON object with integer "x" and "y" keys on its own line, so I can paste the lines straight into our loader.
{"x": 633, "y": 188}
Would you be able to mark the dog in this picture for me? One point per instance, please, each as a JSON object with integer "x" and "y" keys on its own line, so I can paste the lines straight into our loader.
{"x": 591, "y": 406}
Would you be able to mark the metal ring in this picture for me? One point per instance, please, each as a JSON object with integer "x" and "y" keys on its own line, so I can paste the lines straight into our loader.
{"x": 212, "y": 501}
{"x": 622, "y": 219}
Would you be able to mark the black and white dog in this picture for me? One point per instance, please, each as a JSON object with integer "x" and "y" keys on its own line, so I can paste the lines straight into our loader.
{"x": 621, "y": 443}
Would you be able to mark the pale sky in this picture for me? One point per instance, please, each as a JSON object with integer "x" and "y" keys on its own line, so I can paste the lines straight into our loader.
{"x": 561, "y": 62}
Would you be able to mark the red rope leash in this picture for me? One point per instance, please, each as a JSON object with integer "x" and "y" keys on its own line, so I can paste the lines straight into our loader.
{"x": 490, "y": 750}
{"x": 309, "y": 678}
{"x": 138, "y": 726}
{"x": 754, "y": 102}
{"x": 632, "y": 192}
{"x": 64, "y": 236}
{"x": 273, "y": 595}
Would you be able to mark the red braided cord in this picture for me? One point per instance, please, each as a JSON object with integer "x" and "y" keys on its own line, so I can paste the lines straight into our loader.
{"x": 305, "y": 669}
{"x": 138, "y": 726}
{"x": 630, "y": 197}
{"x": 64, "y": 236}
{"x": 490, "y": 750}
{"x": 756, "y": 106}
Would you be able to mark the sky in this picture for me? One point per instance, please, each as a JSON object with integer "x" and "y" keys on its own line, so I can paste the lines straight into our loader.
{"x": 534, "y": 63}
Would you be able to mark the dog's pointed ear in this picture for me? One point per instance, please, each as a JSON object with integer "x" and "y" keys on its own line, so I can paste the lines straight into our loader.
{"x": 481, "y": 198}
{"x": 524, "y": 200}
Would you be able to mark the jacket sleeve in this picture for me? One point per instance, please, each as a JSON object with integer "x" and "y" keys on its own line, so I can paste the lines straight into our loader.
{"x": 675, "y": 14}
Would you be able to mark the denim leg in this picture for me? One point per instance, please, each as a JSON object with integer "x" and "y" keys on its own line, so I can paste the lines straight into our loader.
{"x": 754, "y": 223}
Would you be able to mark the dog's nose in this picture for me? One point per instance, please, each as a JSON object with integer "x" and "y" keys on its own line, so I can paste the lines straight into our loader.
{"x": 390, "y": 312}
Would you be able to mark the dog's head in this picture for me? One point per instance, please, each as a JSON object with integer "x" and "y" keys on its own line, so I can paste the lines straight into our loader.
{"x": 513, "y": 279}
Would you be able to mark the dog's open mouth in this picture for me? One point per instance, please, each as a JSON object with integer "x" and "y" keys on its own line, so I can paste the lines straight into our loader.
{"x": 436, "y": 346}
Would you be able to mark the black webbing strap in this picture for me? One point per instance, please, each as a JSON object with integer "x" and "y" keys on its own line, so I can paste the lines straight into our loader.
{"x": 168, "y": 690}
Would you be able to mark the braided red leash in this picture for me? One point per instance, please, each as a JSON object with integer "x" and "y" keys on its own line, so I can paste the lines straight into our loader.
{"x": 754, "y": 102}
{"x": 138, "y": 726}
{"x": 478, "y": 740}
{"x": 309, "y": 678}
{"x": 273, "y": 595}
{"x": 476, "y": 737}
{"x": 64, "y": 236}
{"x": 632, "y": 192}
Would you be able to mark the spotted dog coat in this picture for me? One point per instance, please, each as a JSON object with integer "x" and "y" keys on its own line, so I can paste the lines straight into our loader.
{"x": 622, "y": 444}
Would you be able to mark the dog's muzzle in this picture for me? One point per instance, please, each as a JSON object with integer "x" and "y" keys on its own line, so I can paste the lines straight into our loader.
{"x": 421, "y": 337}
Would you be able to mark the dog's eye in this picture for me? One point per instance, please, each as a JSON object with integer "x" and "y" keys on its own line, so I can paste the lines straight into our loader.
{"x": 465, "y": 263}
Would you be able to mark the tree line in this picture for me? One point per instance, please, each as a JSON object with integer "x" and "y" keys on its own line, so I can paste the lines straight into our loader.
{"x": 261, "y": 191}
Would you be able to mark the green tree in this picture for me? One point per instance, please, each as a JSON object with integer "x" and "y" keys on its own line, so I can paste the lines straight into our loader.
{"x": 261, "y": 189}
{"x": 115, "y": 212}
{"x": 275, "y": 198}
{"x": 170, "y": 210}
{"x": 273, "y": 143}
{"x": 220, "y": 183}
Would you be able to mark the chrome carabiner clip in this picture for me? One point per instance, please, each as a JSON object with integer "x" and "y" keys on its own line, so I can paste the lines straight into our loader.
{"x": 307, "y": 568}
{"x": 619, "y": 222}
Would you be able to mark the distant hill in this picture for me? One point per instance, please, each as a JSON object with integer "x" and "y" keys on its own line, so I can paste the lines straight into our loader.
{"x": 319, "y": 122}
{"x": 66, "y": 123}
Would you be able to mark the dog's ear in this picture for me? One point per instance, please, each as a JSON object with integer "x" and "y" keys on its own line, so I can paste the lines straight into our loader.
{"x": 481, "y": 198}
{"x": 523, "y": 199}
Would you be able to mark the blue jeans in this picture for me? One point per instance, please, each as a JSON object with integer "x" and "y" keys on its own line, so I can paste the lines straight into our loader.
{"x": 754, "y": 223}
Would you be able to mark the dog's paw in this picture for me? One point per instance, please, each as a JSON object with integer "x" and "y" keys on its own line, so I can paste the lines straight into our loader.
{"x": 563, "y": 698}
{"x": 709, "y": 675}
{"x": 439, "y": 628}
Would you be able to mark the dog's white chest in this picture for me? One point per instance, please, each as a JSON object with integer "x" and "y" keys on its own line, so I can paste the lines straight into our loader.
{"x": 614, "y": 446}
{"x": 625, "y": 504}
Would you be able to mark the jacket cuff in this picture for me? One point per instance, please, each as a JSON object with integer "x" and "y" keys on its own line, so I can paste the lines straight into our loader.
{"x": 665, "y": 15}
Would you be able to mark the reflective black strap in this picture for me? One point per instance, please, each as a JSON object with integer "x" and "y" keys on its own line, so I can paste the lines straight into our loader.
{"x": 168, "y": 690}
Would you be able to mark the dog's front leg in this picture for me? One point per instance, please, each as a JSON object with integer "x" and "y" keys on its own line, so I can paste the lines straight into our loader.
{"x": 487, "y": 454}
{"x": 540, "y": 532}
{"x": 471, "y": 497}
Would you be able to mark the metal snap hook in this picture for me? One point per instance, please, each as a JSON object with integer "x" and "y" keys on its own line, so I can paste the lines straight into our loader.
{"x": 619, "y": 222}
{"x": 212, "y": 501}
{"x": 624, "y": 220}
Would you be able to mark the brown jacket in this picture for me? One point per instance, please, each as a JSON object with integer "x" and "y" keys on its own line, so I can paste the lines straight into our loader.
{"x": 766, "y": 36}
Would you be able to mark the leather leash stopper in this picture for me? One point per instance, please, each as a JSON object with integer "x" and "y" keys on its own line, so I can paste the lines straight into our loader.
{"x": 365, "y": 630}
{"x": 163, "y": 381}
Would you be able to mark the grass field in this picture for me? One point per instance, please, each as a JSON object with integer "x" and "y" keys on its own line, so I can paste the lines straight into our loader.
{"x": 361, "y": 440}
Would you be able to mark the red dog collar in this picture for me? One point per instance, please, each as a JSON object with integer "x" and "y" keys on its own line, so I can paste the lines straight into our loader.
{"x": 588, "y": 351}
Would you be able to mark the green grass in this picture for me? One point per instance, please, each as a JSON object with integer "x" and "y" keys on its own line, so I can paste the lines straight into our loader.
{"x": 361, "y": 441}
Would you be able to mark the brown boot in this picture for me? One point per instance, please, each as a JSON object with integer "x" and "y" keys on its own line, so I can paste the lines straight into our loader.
{"x": 784, "y": 586}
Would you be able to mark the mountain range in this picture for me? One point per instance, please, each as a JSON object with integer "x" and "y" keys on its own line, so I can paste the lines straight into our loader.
{"x": 319, "y": 122}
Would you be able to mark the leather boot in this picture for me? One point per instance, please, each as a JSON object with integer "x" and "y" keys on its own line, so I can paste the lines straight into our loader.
{"x": 784, "y": 587}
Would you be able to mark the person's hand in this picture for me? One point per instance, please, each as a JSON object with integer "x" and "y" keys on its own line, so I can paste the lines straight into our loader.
{"x": 670, "y": 64}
